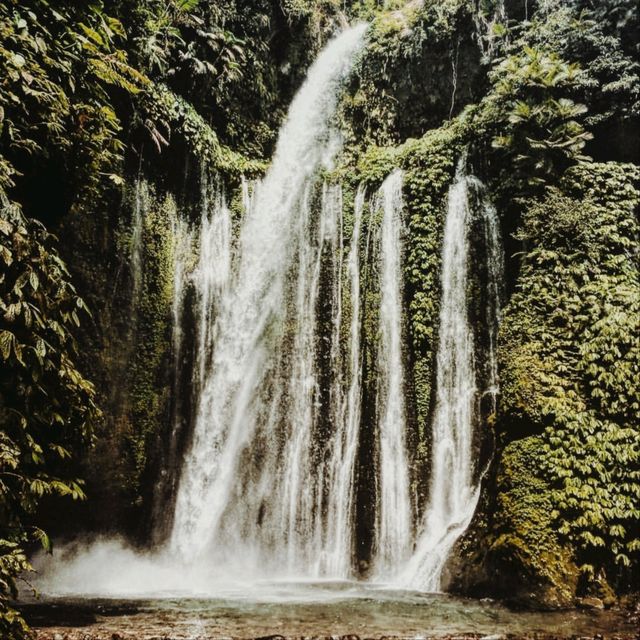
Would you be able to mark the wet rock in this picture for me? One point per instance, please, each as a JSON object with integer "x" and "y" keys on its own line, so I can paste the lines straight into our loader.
{"x": 590, "y": 603}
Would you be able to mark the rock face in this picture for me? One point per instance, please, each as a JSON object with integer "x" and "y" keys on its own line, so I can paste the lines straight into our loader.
{"x": 511, "y": 549}
{"x": 532, "y": 544}
{"x": 590, "y": 603}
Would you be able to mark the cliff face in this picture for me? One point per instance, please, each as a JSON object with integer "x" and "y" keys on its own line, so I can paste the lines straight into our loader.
{"x": 544, "y": 99}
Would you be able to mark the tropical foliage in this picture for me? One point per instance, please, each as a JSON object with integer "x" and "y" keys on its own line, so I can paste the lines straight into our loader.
{"x": 571, "y": 361}
{"x": 46, "y": 406}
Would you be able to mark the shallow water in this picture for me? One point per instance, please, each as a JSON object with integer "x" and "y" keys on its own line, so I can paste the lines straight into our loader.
{"x": 309, "y": 609}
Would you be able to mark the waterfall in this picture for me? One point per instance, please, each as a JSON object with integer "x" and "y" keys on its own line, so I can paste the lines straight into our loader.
{"x": 298, "y": 491}
{"x": 182, "y": 252}
{"x": 247, "y": 189}
{"x": 495, "y": 281}
{"x": 394, "y": 520}
{"x": 201, "y": 257}
{"x": 296, "y": 408}
{"x": 140, "y": 209}
{"x": 213, "y": 272}
{"x": 346, "y": 400}
{"x": 263, "y": 504}
{"x": 455, "y": 485}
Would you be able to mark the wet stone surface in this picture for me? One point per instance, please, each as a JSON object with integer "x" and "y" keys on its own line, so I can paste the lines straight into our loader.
{"x": 358, "y": 617}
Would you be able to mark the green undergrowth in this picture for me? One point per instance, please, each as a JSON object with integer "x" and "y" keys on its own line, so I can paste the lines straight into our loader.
{"x": 420, "y": 68}
{"x": 525, "y": 547}
{"x": 570, "y": 363}
{"x": 47, "y": 407}
{"x": 149, "y": 379}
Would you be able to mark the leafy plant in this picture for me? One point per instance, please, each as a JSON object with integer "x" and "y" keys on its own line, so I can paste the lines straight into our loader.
{"x": 46, "y": 405}
{"x": 571, "y": 360}
{"x": 56, "y": 98}
{"x": 531, "y": 116}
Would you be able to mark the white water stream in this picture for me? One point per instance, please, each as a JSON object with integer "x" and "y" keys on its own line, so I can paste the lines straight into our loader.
{"x": 346, "y": 397}
{"x": 455, "y": 483}
{"x": 394, "y": 529}
{"x": 250, "y": 489}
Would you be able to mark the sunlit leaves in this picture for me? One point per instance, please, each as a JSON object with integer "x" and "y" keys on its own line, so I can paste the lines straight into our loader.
{"x": 62, "y": 67}
{"x": 571, "y": 357}
{"x": 535, "y": 121}
{"x": 177, "y": 40}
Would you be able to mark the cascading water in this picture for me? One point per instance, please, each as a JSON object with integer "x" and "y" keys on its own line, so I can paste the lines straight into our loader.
{"x": 392, "y": 542}
{"x": 455, "y": 484}
{"x": 213, "y": 271}
{"x": 495, "y": 281}
{"x": 264, "y": 506}
{"x": 297, "y": 506}
{"x": 297, "y": 325}
{"x": 201, "y": 256}
{"x": 140, "y": 208}
{"x": 346, "y": 413}
{"x": 182, "y": 252}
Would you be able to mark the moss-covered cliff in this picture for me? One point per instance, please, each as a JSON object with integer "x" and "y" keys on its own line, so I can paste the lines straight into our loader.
{"x": 553, "y": 524}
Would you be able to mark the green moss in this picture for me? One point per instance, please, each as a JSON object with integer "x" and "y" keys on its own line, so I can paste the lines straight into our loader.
{"x": 525, "y": 550}
{"x": 406, "y": 81}
{"x": 149, "y": 382}
{"x": 429, "y": 165}
{"x": 570, "y": 362}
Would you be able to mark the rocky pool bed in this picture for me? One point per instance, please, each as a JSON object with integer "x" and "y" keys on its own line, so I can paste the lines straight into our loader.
{"x": 315, "y": 612}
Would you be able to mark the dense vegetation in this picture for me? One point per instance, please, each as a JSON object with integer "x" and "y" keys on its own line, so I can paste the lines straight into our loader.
{"x": 98, "y": 99}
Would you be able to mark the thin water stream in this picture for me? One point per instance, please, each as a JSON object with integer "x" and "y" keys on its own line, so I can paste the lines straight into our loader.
{"x": 455, "y": 477}
{"x": 393, "y": 536}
